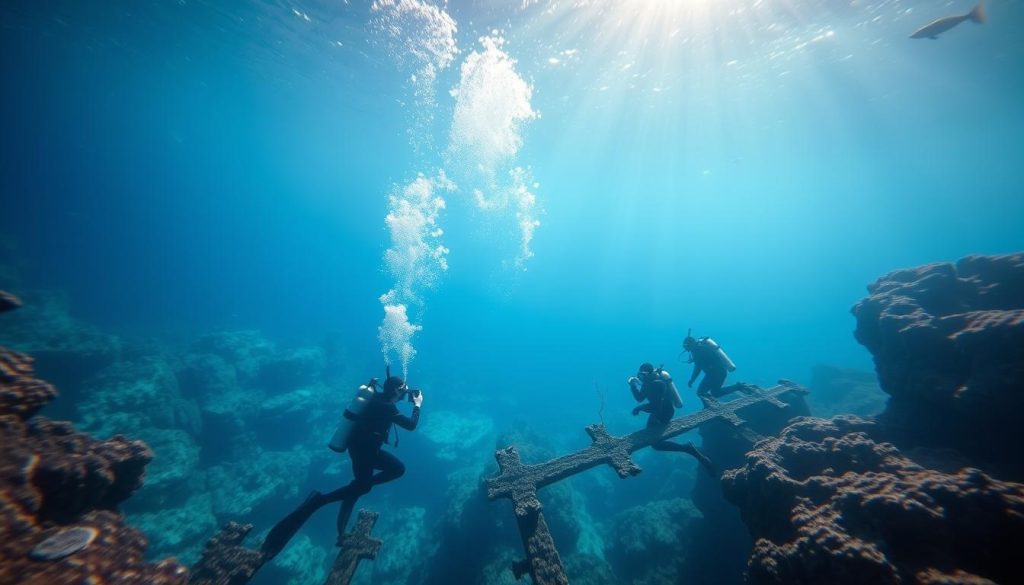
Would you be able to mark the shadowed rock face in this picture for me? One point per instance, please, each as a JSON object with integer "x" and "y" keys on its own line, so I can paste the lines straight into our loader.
{"x": 826, "y": 503}
{"x": 909, "y": 496}
{"x": 948, "y": 345}
{"x": 720, "y": 543}
{"x": 52, "y": 477}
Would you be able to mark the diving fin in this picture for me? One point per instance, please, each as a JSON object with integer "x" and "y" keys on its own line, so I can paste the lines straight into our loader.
{"x": 283, "y": 531}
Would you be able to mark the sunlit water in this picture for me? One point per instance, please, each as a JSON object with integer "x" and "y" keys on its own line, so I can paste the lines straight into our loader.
{"x": 513, "y": 202}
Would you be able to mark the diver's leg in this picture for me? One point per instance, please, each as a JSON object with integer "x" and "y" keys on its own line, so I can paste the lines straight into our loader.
{"x": 363, "y": 461}
{"x": 283, "y": 531}
{"x": 711, "y": 385}
{"x": 653, "y": 422}
{"x": 700, "y": 457}
{"x": 687, "y": 448}
{"x": 391, "y": 468}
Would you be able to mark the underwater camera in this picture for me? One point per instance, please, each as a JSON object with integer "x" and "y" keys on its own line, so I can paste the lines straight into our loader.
{"x": 411, "y": 394}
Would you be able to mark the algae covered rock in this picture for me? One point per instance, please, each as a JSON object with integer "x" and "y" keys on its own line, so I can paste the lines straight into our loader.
{"x": 303, "y": 562}
{"x": 828, "y": 503}
{"x": 457, "y": 434}
{"x": 409, "y": 545}
{"x": 59, "y": 490}
{"x": 242, "y": 486}
{"x": 948, "y": 346}
{"x": 648, "y": 543}
{"x": 246, "y": 351}
{"x": 179, "y": 531}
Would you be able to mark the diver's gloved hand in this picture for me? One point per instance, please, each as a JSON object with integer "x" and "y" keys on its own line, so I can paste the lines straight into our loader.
{"x": 636, "y": 411}
{"x": 633, "y": 381}
{"x": 417, "y": 399}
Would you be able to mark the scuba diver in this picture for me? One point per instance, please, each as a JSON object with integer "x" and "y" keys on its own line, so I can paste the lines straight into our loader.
{"x": 708, "y": 357}
{"x": 363, "y": 430}
{"x": 657, "y": 388}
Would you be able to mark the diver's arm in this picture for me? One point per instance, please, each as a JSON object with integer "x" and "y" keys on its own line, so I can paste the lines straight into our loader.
{"x": 408, "y": 422}
{"x": 643, "y": 408}
{"x": 637, "y": 395}
{"x": 696, "y": 372}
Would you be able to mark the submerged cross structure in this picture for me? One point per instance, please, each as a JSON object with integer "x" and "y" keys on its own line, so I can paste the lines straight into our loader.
{"x": 519, "y": 482}
{"x": 355, "y": 546}
{"x": 226, "y": 562}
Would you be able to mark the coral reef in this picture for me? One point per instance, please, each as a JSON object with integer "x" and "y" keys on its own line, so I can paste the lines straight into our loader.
{"x": 456, "y": 434}
{"x": 53, "y": 479}
{"x": 650, "y": 543}
{"x": 408, "y": 548}
{"x": 830, "y": 504}
{"x": 948, "y": 345}
{"x": 22, "y": 394}
{"x": 910, "y": 495}
{"x": 66, "y": 351}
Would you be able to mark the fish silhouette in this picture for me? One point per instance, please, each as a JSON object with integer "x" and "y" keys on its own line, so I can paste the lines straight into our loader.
{"x": 933, "y": 29}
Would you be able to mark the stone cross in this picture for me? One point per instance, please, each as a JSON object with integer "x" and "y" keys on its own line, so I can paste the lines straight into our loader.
{"x": 225, "y": 561}
{"x": 519, "y": 482}
{"x": 355, "y": 546}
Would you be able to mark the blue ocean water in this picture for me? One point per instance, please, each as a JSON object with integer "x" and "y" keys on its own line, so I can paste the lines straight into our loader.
{"x": 613, "y": 174}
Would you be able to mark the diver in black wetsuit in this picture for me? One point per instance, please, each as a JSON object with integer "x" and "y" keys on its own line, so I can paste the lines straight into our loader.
{"x": 708, "y": 357}
{"x": 364, "y": 447}
{"x": 657, "y": 388}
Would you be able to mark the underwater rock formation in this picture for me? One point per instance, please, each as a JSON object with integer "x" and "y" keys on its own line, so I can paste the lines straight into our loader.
{"x": 651, "y": 543}
{"x": 53, "y": 478}
{"x": 948, "y": 345}
{"x": 827, "y": 503}
{"x": 519, "y": 481}
{"x": 22, "y": 395}
{"x": 456, "y": 434}
{"x": 225, "y": 561}
{"x": 721, "y": 543}
{"x": 66, "y": 351}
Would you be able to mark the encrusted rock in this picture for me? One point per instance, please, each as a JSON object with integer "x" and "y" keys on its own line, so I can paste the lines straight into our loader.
{"x": 52, "y": 477}
{"x": 948, "y": 344}
{"x": 21, "y": 394}
{"x": 828, "y": 504}
{"x": 720, "y": 544}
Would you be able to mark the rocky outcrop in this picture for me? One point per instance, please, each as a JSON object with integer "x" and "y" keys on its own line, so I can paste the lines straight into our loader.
{"x": 66, "y": 351}
{"x": 830, "y": 503}
{"x": 22, "y": 394}
{"x": 651, "y": 543}
{"x": 53, "y": 478}
{"x": 948, "y": 345}
{"x": 918, "y": 493}
{"x": 720, "y": 543}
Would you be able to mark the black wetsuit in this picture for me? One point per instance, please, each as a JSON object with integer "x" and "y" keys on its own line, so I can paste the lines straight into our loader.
{"x": 659, "y": 404}
{"x": 705, "y": 358}
{"x": 364, "y": 448}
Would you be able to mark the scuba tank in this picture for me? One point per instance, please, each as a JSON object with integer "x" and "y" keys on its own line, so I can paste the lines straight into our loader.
{"x": 720, "y": 353}
{"x": 349, "y": 418}
{"x": 673, "y": 392}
